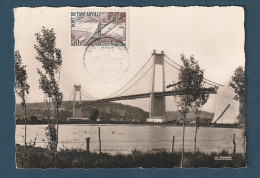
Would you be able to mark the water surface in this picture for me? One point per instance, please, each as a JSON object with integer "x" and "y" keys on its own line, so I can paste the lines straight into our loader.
{"x": 124, "y": 138}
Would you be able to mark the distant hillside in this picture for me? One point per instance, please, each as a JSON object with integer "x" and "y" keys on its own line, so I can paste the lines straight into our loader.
{"x": 119, "y": 112}
{"x": 109, "y": 111}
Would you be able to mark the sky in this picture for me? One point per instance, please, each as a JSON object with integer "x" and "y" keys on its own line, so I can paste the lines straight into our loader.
{"x": 213, "y": 35}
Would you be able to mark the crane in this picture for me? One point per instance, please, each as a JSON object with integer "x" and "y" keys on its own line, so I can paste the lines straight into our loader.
{"x": 221, "y": 114}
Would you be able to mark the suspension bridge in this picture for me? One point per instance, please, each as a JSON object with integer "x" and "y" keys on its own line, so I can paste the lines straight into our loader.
{"x": 136, "y": 86}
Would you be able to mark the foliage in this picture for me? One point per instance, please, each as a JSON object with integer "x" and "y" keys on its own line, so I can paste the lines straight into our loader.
{"x": 238, "y": 83}
{"x": 33, "y": 118}
{"x": 21, "y": 85}
{"x": 42, "y": 158}
{"x": 93, "y": 114}
{"x": 191, "y": 81}
{"x": 32, "y": 143}
{"x": 51, "y": 136}
{"x": 50, "y": 58}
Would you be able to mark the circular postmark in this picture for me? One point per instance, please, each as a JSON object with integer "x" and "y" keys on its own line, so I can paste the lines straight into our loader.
{"x": 106, "y": 59}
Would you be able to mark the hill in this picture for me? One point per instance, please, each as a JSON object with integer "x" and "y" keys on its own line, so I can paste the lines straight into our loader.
{"x": 109, "y": 111}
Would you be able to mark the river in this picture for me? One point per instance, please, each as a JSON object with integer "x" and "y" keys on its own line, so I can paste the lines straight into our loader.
{"x": 123, "y": 138}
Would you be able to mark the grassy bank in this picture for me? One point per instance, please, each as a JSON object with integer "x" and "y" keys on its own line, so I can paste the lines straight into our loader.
{"x": 35, "y": 157}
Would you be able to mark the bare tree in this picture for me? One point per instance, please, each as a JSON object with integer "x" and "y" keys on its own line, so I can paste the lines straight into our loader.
{"x": 51, "y": 60}
{"x": 21, "y": 85}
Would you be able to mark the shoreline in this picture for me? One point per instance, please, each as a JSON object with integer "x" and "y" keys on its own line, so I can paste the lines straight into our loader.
{"x": 135, "y": 123}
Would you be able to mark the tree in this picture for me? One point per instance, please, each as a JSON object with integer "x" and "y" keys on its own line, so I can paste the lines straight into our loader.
{"x": 198, "y": 104}
{"x": 190, "y": 81}
{"x": 199, "y": 98}
{"x": 51, "y": 60}
{"x": 93, "y": 114}
{"x": 21, "y": 85}
{"x": 238, "y": 83}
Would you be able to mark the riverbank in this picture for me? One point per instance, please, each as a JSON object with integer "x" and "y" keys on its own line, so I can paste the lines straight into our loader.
{"x": 36, "y": 157}
{"x": 44, "y": 122}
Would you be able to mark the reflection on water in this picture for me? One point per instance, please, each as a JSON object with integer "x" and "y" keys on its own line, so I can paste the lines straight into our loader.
{"x": 125, "y": 138}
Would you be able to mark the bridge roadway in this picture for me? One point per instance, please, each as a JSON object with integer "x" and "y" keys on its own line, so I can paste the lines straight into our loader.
{"x": 146, "y": 95}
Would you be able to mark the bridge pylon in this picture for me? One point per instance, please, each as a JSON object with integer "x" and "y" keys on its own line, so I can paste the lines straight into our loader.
{"x": 77, "y": 110}
{"x": 157, "y": 103}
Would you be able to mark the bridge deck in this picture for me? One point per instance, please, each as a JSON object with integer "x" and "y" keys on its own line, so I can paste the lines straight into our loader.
{"x": 147, "y": 95}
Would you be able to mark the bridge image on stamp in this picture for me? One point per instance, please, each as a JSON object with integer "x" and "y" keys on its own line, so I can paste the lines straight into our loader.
{"x": 86, "y": 26}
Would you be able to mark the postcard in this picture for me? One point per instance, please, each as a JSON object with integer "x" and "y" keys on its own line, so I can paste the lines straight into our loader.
{"x": 130, "y": 87}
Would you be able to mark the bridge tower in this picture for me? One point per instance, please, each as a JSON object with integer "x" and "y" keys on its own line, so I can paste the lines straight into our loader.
{"x": 77, "y": 111}
{"x": 157, "y": 103}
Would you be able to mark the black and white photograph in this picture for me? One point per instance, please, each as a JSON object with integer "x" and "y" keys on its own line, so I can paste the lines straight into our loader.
{"x": 130, "y": 87}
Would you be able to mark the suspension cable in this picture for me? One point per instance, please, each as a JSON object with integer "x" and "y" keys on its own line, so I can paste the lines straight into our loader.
{"x": 172, "y": 65}
{"x": 172, "y": 61}
{"x": 132, "y": 77}
{"x": 86, "y": 96}
{"x": 204, "y": 78}
{"x": 209, "y": 83}
{"x": 71, "y": 95}
{"x": 136, "y": 81}
{"x": 89, "y": 96}
{"x": 214, "y": 82}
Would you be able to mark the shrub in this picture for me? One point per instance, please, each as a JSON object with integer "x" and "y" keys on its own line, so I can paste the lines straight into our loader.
{"x": 35, "y": 157}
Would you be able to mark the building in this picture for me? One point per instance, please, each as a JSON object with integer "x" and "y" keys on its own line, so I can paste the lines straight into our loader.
{"x": 77, "y": 119}
{"x": 156, "y": 119}
{"x": 175, "y": 116}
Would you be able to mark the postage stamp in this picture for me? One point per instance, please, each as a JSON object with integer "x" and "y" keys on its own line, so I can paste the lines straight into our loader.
{"x": 90, "y": 25}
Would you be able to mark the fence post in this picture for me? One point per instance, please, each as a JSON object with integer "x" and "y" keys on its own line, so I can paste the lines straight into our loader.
{"x": 234, "y": 143}
{"x": 99, "y": 139}
{"x": 173, "y": 143}
{"x": 87, "y": 141}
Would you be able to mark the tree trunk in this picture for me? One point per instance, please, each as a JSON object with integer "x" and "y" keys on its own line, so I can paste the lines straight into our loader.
{"x": 49, "y": 121}
{"x": 196, "y": 131}
{"x": 25, "y": 125}
{"x": 195, "y": 139}
{"x": 244, "y": 136}
{"x": 242, "y": 112}
{"x": 183, "y": 132}
{"x": 57, "y": 121}
{"x": 48, "y": 109}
